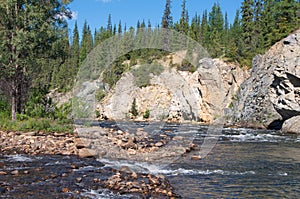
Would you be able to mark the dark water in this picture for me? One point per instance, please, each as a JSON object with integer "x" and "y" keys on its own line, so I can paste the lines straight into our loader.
{"x": 243, "y": 164}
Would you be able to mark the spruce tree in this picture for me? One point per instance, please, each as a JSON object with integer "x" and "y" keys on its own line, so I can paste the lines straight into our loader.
{"x": 167, "y": 19}
{"x": 248, "y": 50}
{"x": 86, "y": 42}
{"x": 28, "y": 30}
{"x": 216, "y": 27}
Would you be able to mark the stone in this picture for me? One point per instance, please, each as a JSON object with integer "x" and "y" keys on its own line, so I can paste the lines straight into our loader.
{"x": 196, "y": 157}
{"x": 159, "y": 144}
{"x": 82, "y": 143}
{"x": 271, "y": 94}
{"x": 3, "y": 173}
{"x": 292, "y": 125}
{"x": 78, "y": 180}
{"x": 87, "y": 153}
{"x": 15, "y": 172}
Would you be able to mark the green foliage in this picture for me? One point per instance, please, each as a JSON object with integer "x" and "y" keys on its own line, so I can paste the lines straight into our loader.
{"x": 146, "y": 115}
{"x": 100, "y": 94}
{"x": 133, "y": 109}
{"x": 167, "y": 19}
{"x": 142, "y": 74}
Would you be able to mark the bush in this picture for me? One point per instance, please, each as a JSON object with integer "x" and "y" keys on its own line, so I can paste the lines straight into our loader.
{"x": 100, "y": 94}
{"x": 146, "y": 114}
{"x": 142, "y": 74}
{"x": 133, "y": 109}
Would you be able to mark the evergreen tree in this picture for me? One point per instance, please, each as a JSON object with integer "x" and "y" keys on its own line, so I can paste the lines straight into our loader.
{"x": 184, "y": 19}
{"x": 234, "y": 43}
{"x": 86, "y": 42}
{"x": 167, "y": 19}
{"x": 216, "y": 27}
{"x": 248, "y": 29}
{"x": 120, "y": 28}
{"x": 109, "y": 24}
{"x": 28, "y": 30}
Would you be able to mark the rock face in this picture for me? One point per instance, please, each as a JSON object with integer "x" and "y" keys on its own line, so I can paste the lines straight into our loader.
{"x": 177, "y": 95}
{"x": 272, "y": 93}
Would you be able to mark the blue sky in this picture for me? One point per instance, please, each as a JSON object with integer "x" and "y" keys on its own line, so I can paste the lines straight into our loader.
{"x": 96, "y": 12}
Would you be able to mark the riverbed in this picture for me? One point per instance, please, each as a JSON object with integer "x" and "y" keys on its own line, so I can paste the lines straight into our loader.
{"x": 244, "y": 163}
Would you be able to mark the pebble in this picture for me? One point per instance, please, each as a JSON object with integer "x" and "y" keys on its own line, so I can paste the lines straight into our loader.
{"x": 65, "y": 190}
{"x": 78, "y": 180}
{"x": 196, "y": 157}
{"x": 159, "y": 144}
{"x": 15, "y": 172}
{"x": 3, "y": 173}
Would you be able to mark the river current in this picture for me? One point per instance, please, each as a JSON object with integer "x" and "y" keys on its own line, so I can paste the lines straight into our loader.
{"x": 244, "y": 163}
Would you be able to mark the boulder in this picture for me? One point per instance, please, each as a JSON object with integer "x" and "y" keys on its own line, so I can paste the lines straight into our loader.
{"x": 87, "y": 153}
{"x": 272, "y": 93}
{"x": 292, "y": 125}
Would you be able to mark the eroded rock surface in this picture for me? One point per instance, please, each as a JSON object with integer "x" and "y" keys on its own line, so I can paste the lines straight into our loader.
{"x": 178, "y": 95}
{"x": 272, "y": 93}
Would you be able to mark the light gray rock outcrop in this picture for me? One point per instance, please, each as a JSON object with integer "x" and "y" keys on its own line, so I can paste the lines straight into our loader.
{"x": 272, "y": 93}
{"x": 178, "y": 95}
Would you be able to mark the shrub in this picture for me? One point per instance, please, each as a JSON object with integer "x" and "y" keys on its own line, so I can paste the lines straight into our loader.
{"x": 142, "y": 74}
{"x": 146, "y": 114}
{"x": 133, "y": 109}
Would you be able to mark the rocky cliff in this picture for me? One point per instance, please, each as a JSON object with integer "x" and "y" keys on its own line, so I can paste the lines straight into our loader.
{"x": 271, "y": 95}
{"x": 177, "y": 95}
{"x": 267, "y": 98}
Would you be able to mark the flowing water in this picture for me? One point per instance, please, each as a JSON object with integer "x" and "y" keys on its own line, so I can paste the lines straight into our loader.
{"x": 243, "y": 164}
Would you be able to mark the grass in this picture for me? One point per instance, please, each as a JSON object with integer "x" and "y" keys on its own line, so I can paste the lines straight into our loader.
{"x": 36, "y": 124}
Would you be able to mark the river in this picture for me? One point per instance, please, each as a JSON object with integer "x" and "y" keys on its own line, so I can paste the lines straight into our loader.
{"x": 244, "y": 163}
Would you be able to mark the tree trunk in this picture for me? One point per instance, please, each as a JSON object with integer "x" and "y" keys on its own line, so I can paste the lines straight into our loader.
{"x": 13, "y": 106}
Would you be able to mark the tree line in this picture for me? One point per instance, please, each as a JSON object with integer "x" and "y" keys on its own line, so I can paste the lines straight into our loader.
{"x": 37, "y": 54}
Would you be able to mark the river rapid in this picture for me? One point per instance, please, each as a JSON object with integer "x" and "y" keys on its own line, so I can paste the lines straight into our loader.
{"x": 244, "y": 163}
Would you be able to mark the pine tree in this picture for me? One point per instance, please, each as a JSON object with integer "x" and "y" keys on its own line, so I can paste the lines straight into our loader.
{"x": 120, "y": 28}
{"x": 184, "y": 19}
{"x": 257, "y": 40}
{"x": 248, "y": 29}
{"x": 234, "y": 43}
{"x": 86, "y": 42}
{"x": 109, "y": 24}
{"x": 167, "y": 19}
{"x": 216, "y": 27}
{"x": 24, "y": 39}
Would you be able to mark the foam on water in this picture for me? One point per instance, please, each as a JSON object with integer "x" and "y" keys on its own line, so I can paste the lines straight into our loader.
{"x": 103, "y": 194}
{"x": 18, "y": 158}
{"x": 250, "y": 137}
{"x": 142, "y": 167}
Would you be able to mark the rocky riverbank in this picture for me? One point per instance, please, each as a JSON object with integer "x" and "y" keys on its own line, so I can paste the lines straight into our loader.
{"x": 124, "y": 181}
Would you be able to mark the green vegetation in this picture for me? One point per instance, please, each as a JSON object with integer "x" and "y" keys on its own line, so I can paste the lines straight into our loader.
{"x": 146, "y": 115}
{"x": 142, "y": 74}
{"x": 133, "y": 109}
{"x": 37, "y": 55}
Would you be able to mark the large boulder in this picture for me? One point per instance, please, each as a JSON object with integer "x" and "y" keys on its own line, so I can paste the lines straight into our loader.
{"x": 292, "y": 125}
{"x": 272, "y": 93}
